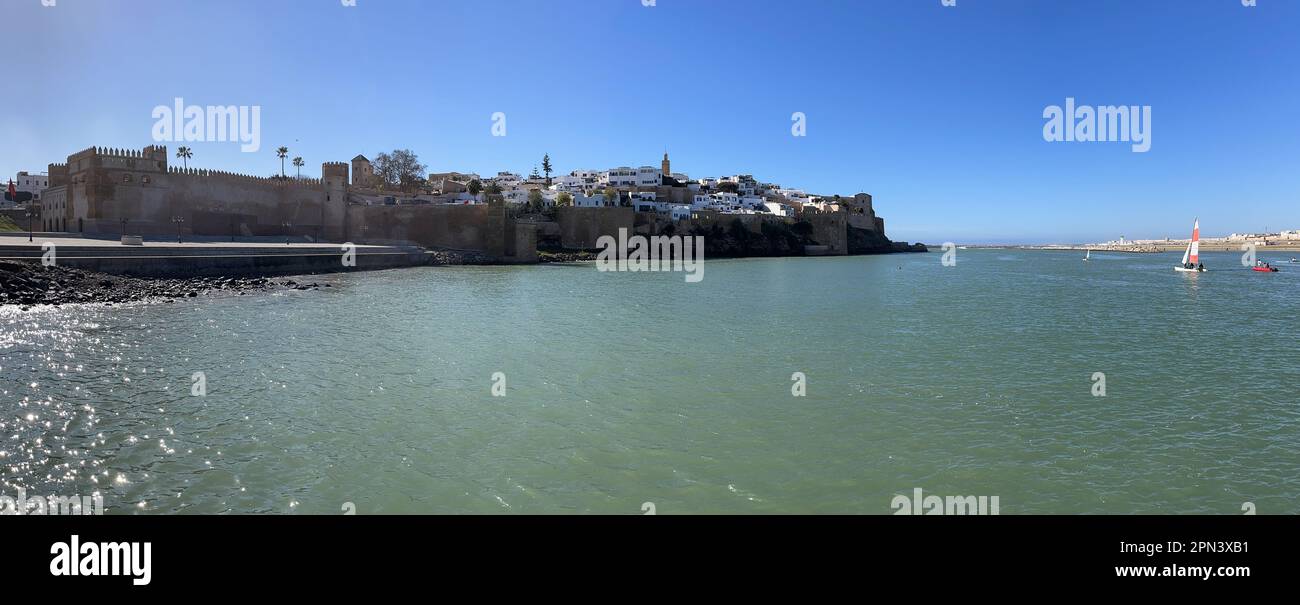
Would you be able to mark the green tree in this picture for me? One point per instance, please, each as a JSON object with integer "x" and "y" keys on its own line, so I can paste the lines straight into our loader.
{"x": 283, "y": 152}
{"x": 401, "y": 169}
{"x": 611, "y": 196}
{"x": 564, "y": 199}
{"x": 493, "y": 189}
{"x": 184, "y": 153}
{"x": 535, "y": 200}
{"x": 475, "y": 186}
{"x": 546, "y": 168}
{"x": 298, "y": 163}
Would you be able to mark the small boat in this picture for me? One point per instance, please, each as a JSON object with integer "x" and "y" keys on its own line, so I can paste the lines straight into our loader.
{"x": 1087, "y": 255}
{"x": 1264, "y": 268}
{"x": 1191, "y": 256}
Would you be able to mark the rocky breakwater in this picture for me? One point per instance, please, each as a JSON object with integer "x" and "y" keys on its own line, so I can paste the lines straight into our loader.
{"x": 29, "y": 284}
{"x": 862, "y": 241}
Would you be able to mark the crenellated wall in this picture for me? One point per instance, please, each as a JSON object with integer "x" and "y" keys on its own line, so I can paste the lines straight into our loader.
{"x": 108, "y": 186}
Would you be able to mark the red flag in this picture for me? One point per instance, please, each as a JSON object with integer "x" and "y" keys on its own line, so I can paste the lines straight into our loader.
{"x": 13, "y": 193}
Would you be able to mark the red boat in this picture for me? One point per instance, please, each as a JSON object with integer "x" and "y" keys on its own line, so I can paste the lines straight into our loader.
{"x": 1264, "y": 268}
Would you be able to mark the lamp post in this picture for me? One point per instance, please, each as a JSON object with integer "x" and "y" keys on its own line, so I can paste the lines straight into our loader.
{"x": 178, "y": 220}
{"x": 123, "y": 226}
{"x": 287, "y": 227}
{"x": 33, "y": 211}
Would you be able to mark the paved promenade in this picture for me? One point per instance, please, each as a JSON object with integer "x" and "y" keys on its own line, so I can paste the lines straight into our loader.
{"x": 208, "y": 256}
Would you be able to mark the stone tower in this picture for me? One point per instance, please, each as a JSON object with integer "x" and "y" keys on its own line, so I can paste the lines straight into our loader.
{"x": 362, "y": 173}
{"x": 666, "y": 167}
{"x": 334, "y": 214}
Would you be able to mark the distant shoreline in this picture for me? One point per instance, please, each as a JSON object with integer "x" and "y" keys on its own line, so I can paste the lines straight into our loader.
{"x": 1145, "y": 248}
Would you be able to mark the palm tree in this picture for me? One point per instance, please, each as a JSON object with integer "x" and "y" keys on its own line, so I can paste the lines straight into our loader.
{"x": 184, "y": 153}
{"x": 298, "y": 163}
{"x": 283, "y": 152}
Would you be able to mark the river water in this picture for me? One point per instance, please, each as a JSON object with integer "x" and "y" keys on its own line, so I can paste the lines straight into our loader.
{"x": 620, "y": 389}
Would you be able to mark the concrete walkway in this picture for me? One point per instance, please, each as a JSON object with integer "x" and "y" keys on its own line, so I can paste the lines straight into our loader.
{"x": 208, "y": 258}
{"x": 14, "y": 238}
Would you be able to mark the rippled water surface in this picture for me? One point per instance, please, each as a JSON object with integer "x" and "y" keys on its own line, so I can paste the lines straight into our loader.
{"x": 631, "y": 388}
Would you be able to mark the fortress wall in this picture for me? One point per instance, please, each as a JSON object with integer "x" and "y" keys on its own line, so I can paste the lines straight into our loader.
{"x": 580, "y": 227}
{"x": 459, "y": 226}
{"x": 210, "y": 203}
{"x": 829, "y": 229}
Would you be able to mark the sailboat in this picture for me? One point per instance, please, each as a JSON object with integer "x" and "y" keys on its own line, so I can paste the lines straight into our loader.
{"x": 1191, "y": 256}
{"x": 1087, "y": 255}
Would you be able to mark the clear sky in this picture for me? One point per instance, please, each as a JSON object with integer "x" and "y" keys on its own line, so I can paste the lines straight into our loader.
{"x": 936, "y": 111}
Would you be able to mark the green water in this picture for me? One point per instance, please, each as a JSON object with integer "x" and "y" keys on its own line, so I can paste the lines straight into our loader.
{"x": 626, "y": 388}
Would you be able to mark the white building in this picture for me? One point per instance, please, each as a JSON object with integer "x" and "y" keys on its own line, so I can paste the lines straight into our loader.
{"x": 622, "y": 176}
{"x": 507, "y": 180}
{"x": 29, "y": 183}
{"x": 644, "y": 201}
{"x": 591, "y": 178}
{"x": 515, "y": 196}
{"x": 724, "y": 201}
{"x": 589, "y": 201}
{"x": 649, "y": 176}
{"x": 745, "y": 183}
{"x": 779, "y": 209}
{"x": 569, "y": 183}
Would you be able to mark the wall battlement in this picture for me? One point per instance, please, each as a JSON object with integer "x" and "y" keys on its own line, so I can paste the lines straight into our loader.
{"x": 249, "y": 178}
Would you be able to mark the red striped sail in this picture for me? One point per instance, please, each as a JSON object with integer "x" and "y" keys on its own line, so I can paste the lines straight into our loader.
{"x": 1196, "y": 241}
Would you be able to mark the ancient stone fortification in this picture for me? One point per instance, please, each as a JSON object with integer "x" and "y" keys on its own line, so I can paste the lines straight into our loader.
{"x": 123, "y": 191}
{"x": 581, "y": 227}
{"x": 117, "y": 191}
{"x": 478, "y": 227}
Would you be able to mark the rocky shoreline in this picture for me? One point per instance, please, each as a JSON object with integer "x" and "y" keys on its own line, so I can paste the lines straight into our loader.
{"x": 443, "y": 258}
{"x": 28, "y": 284}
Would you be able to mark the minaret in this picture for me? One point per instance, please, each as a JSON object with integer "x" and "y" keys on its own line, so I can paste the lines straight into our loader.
{"x": 665, "y": 166}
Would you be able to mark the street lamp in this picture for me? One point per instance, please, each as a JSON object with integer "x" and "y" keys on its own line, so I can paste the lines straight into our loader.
{"x": 178, "y": 220}
{"x": 33, "y": 211}
{"x": 123, "y": 226}
{"x": 287, "y": 227}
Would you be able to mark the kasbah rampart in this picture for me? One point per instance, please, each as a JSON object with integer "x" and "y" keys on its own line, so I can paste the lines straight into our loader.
{"x": 103, "y": 192}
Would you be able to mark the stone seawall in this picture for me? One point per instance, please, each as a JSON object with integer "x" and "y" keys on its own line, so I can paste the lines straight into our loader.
{"x": 202, "y": 261}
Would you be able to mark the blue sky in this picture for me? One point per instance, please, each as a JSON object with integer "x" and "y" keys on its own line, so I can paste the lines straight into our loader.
{"x": 936, "y": 111}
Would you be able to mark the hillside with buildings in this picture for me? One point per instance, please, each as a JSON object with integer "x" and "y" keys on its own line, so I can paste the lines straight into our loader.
{"x": 102, "y": 192}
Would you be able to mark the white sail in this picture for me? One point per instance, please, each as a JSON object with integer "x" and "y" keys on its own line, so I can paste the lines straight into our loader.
{"x": 1187, "y": 253}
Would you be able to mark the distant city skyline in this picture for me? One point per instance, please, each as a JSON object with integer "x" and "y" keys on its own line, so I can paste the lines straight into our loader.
{"x": 938, "y": 112}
